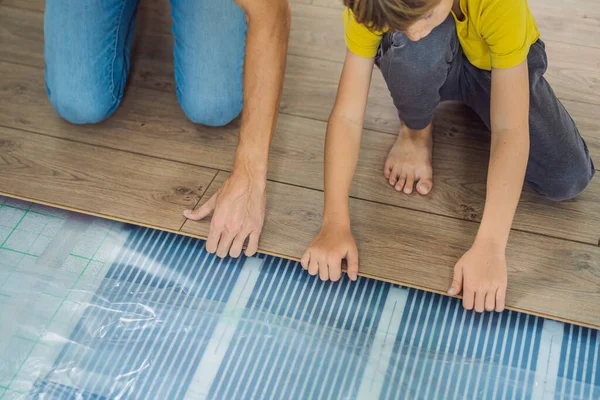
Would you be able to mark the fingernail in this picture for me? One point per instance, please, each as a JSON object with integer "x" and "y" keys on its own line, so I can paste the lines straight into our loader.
{"x": 187, "y": 212}
{"x": 451, "y": 291}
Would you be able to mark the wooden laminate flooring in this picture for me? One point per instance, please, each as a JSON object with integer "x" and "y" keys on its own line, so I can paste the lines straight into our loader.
{"x": 147, "y": 162}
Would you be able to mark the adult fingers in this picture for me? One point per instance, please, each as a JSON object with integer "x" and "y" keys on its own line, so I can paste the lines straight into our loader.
{"x": 202, "y": 212}
{"x": 252, "y": 244}
{"x": 225, "y": 244}
{"x": 238, "y": 244}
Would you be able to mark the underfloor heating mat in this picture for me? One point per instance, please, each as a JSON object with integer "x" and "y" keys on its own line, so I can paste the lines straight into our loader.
{"x": 95, "y": 309}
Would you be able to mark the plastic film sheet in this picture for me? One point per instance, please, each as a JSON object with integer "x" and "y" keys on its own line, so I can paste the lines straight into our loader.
{"x": 93, "y": 309}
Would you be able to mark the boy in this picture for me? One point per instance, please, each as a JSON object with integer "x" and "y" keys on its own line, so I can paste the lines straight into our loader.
{"x": 486, "y": 53}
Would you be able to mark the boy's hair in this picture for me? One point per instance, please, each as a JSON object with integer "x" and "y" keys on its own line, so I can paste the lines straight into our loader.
{"x": 395, "y": 15}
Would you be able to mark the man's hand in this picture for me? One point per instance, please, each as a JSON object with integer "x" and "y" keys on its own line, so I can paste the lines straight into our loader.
{"x": 238, "y": 210}
{"x": 325, "y": 253}
{"x": 239, "y": 205}
{"x": 481, "y": 275}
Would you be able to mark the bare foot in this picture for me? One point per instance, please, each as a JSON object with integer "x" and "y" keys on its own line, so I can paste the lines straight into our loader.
{"x": 409, "y": 161}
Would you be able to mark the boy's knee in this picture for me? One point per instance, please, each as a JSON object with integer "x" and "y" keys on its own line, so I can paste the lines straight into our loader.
{"x": 427, "y": 54}
{"x": 210, "y": 111}
{"x": 567, "y": 186}
{"x": 88, "y": 106}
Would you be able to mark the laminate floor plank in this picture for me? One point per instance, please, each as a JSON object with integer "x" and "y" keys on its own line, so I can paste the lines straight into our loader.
{"x": 147, "y": 162}
{"x": 311, "y": 84}
{"x": 565, "y": 21}
{"x": 95, "y": 180}
{"x": 317, "y": 32}
{"x": 152, "y": 123}
{"x": 546, "y": 276}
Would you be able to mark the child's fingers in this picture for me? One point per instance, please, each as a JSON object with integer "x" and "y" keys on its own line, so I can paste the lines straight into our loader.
{"x": 352, "y": 260}
{"x": 457, "y": 279}
{"x": 335, "y": 268}
{"x": 468, "y": 299}
{"x": 490, "y": 300}
{"x": 500, "y": 298}
{"x": 313, "y": 265}
{"x": 480, "y": 301}
{"x": 305, "y": 259}
{"x": 323, "y": 271}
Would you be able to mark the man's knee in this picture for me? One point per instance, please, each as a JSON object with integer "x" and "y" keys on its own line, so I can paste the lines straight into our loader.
{"x": 218, "y": 110}
{"x": 81, "y": 103}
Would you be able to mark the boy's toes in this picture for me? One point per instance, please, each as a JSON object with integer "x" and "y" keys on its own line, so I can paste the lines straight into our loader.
{"x": 424, "y": 186}
{"x": 400, "y": 184}
{"x": 393, "y": 178}
{"x": 387, "y": 169}
{"x": 410, "y": 183}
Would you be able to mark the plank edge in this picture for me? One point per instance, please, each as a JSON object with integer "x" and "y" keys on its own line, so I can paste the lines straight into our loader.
{"x": 285, "y": 256}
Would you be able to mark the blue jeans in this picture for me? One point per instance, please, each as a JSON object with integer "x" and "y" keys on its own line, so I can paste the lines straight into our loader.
{"x": 87, "y": 45}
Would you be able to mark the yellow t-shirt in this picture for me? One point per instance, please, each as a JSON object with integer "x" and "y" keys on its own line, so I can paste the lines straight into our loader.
{"x": 493, "y": 33}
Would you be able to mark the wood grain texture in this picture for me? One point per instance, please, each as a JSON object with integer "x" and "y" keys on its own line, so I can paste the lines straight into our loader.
{"x": 154, "y": 125}
{"x": 105, "y": 182}
{"x": 546, "y": 276}
{"x": 405, "y": 239}
{"x": 311, "y": 84}
{"x": 574, "y": 69}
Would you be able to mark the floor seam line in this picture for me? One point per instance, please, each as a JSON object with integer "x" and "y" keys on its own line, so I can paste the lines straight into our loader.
{"x": 300, "y": 186}
{"x": 201, "y": 197}
{"x": 133, "y": 84}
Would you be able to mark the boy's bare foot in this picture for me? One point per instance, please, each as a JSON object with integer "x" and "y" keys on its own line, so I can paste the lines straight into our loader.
{"x": 409, "y": 161}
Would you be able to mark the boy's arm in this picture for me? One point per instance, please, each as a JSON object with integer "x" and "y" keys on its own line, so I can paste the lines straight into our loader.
{"x": 239, "y": 205}
{"x": 481, "y": 272}
{"x": 342, "y": 145}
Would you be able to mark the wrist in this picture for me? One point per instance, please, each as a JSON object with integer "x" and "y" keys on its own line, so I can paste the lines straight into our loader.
{"x": 338, "y": 219}
{"x": 491, "y": 241}
{"x": 253, "y": 166}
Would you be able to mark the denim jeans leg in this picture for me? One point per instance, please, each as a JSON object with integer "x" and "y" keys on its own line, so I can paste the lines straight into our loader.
{"x": 86, "y": 48}
{"x": 210, "y": 43}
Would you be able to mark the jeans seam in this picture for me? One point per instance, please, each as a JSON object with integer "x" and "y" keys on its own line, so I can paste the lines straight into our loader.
{"x": 114, "y": 55}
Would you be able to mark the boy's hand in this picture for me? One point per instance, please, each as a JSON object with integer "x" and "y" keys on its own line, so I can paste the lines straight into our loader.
{"x": 325, "y": 253}
{"x": 481, "y": 275}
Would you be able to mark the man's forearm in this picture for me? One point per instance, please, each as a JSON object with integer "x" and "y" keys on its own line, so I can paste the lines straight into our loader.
{"x": 266, "y": 49}
{"x": 506, "y": 173}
